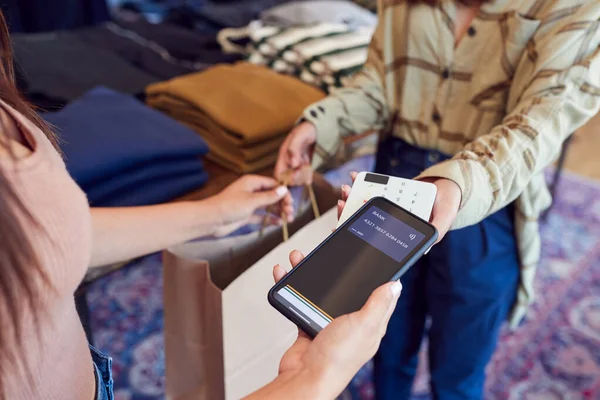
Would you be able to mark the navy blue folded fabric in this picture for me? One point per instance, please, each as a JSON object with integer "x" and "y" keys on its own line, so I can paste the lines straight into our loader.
{"x": 154, "y": 192}
{"x": 52, "y": 15}
{"x": 161, "y": 50}
{"x": 143, "y": 177}
{"x": 201, "y": 15}
{"x": 123, "y": 153}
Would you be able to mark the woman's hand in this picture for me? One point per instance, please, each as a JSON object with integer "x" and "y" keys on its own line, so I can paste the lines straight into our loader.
{"x": 337, "y": 353}
{"x": 296, "y": 151}
{"x": 125, "y": 233}
{"x": 235, "y": 205}
{"x": 445, "y": 207}
{"x": 345, "y": 194}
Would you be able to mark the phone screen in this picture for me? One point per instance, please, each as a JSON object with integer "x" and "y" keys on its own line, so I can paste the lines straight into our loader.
{"x": 341, "y": 274}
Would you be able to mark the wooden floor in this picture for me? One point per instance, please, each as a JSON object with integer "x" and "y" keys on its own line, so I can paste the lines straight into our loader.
{"x": 583, "y": 156}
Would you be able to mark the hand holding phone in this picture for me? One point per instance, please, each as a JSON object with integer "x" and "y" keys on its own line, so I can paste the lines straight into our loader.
{"x": 376, "y": 245}
{"x": 325, "y": 366}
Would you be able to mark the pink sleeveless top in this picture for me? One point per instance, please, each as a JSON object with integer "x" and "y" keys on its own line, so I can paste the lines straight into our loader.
{"x": 58, "y": 358}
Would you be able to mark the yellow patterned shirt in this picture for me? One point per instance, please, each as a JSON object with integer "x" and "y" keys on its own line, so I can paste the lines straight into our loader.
{"x": 524, "y": 77}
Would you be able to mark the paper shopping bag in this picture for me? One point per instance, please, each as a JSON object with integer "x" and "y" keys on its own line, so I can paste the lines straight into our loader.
{"x": 198, "y": 277}
{"x": 193, "y": 331}
{"x": 230, "y": 257}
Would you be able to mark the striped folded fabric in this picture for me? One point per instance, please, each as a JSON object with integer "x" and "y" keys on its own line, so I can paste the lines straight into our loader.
{"x": 324, "y": 55}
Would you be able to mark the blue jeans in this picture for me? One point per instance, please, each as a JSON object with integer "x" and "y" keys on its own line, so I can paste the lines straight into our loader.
{"x": 103, "y": 370}
{"x": 466, "y": 285}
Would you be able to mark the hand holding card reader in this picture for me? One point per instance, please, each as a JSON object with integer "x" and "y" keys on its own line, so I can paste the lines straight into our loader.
{"x": 379, "y": 243}
{"x": 414, "y": 196}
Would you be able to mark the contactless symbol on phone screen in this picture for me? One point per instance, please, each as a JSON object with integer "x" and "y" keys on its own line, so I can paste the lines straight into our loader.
{"x": 412, "y": 236}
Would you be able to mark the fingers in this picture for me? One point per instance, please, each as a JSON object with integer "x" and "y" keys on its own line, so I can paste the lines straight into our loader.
{"x": 378, "y": 309}
{"x": 353, "y": 175}
{"x": 342, "y": 203}
{"x": 269, "y": 197}
{"x": 295, "y": 151}
{"x": 287, "y": 174}
{"x": 293, "y": 177}
{"x": 296, "y": 258}
{"x": 278, "y": 273}
{"x": 340, "y": 208}
{"x": 257, "y": 183}
{"x": 301, "y": 138}
{"x": 286, "y": 205}
{"x": 346, "y": 192}
{"x": 289, "y": 213}
{"x": 281, "y": 166}
{"x": 256, "y": 219}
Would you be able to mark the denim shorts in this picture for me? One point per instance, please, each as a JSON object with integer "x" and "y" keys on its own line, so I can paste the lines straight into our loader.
{"x": 103, "y": 372}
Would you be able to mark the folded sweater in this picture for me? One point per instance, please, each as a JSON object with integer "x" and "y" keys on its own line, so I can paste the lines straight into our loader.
{"x": 63, "y": 67}
{"x": 325, "y": 55}
{"x": 243, "y": 111}
{"x": 161, "y": 50}
{"x": 123, "y": 153}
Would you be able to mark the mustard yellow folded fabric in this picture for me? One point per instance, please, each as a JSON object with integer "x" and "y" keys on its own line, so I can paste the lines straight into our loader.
{"x": 243, "y": 111}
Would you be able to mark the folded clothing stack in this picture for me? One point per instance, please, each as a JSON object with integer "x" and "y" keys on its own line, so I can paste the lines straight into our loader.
{"x": 324, "y": 55}
{"x": 231, "y": 13}
{"x": 182, "y": 43}
{"x": 243, "y": 111}
{"x": 44, "y": 15}
{"x": 206, "y": 16}
{"x": 56, "y": 68}
{"x": 123, "y": 153}
{"x": 162, "y": 50}
{"x": 125, "y": 55}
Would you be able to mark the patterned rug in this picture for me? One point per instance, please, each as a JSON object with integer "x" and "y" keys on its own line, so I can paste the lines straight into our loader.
{"x": 554, "y": 355}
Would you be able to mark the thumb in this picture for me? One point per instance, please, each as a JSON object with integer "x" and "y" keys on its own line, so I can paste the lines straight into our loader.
{"x": 268, "y": 197}
{"x": 298, "y": 147}
{"x": 295, "y": 154}
{"x": 340, "y": 208}
{"x": 379, "y": 307}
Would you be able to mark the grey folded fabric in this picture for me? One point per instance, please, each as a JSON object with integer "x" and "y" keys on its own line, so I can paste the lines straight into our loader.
{"x": 63, "y": 67}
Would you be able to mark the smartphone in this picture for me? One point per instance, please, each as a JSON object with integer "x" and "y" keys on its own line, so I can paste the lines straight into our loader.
{"x": 379, "y": 243}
